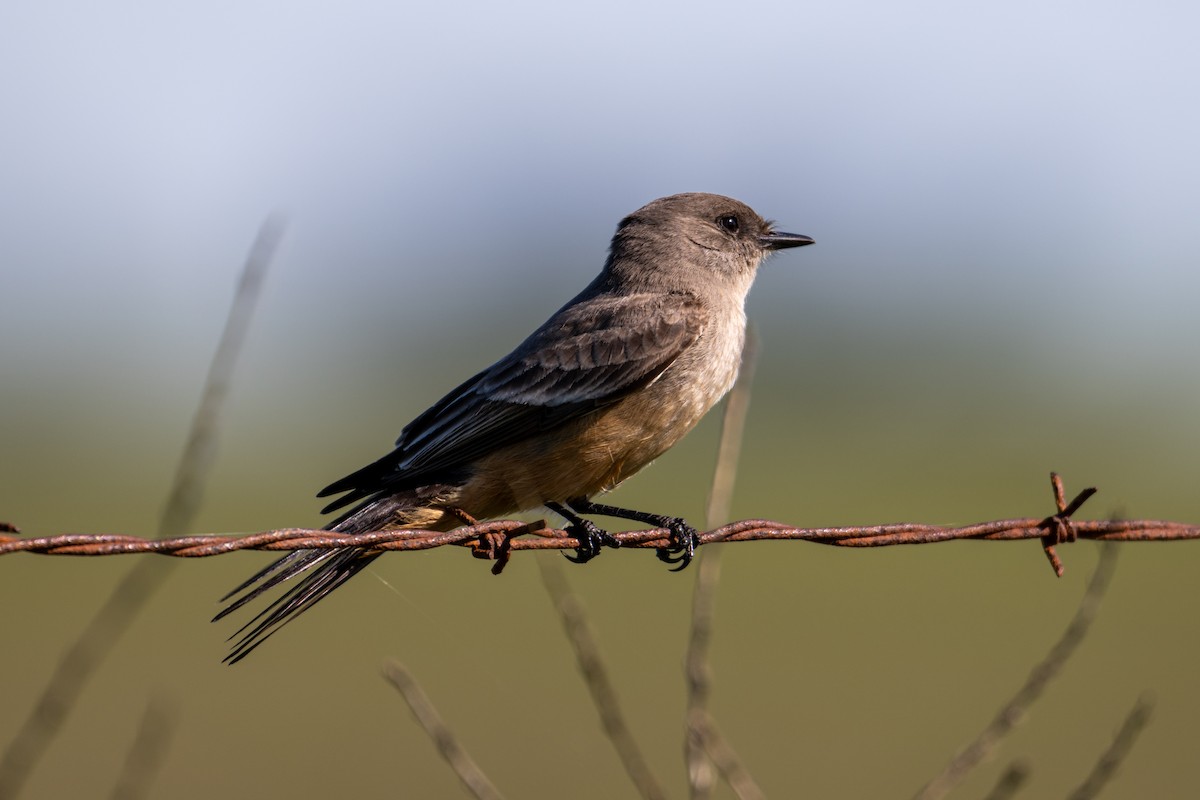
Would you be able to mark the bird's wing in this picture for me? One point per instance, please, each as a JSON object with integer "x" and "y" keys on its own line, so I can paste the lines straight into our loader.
{"x": 591, "y": 353}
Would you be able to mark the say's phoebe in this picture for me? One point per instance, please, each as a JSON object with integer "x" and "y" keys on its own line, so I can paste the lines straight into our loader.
{"x": 611, "y": 381}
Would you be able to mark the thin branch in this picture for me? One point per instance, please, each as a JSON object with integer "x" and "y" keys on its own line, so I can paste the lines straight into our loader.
{"x": 92, "y": 646}
{"x": 1114, "y": 756}
{"x": 1010, "y": 781}
{"x": 148, "y": 751}
{"x": 595, "y": 676}
{"x": 191, "y": 476}
{"x": 1041, "y": 675}
{"x": 445, "y": 741}
{"x": 701, "y": 771}
{"x": 732, "y": 767}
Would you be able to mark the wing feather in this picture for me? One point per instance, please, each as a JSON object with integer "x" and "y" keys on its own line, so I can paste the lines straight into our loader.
{"x": 591, "y": 353}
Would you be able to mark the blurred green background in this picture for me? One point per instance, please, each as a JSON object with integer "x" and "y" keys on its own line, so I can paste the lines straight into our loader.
{"x": 1004, "y": 200}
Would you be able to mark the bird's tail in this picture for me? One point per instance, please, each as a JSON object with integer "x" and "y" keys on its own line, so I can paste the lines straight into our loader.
{"x": 322, "y": 571}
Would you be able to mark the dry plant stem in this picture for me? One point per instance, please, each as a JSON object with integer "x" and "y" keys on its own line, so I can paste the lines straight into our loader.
{"x": 447, "y": 745}
{"x": 80, "y": 660}
{"x": 1114, "y": 756}
{"x": 727, "y": 761}
{"x": 148, "y": 751}
{"x": 1010, "y": 781}
{"x": 595, "y": 676}
{"x": 187, "y": 490}
{"x": 701, "y": 771}
{"x": 1041, "y": 675}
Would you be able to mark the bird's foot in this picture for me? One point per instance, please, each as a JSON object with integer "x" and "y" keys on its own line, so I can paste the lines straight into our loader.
{"x": 591, "y": 538}
{"x": 684, "y": 541}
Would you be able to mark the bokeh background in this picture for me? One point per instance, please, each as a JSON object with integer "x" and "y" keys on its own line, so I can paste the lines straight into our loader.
{"x": 1004, "y": 197}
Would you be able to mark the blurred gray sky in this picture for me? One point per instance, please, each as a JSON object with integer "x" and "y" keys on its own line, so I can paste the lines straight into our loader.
{"x": 978, "y": 153}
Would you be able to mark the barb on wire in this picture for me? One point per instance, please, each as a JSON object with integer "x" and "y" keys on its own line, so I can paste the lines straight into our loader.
{"x": 482, "y": 537}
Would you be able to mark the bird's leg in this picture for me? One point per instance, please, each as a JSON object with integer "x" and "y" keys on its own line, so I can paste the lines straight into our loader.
{"x": 684, "y": 538}
{"x": 590, "y": 535}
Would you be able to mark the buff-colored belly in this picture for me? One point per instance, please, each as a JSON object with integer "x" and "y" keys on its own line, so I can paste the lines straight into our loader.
{"x": 588, "y": 456}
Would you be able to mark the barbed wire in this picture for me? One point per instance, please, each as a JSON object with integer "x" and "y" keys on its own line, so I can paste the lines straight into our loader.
{"x": 497, "y": 539}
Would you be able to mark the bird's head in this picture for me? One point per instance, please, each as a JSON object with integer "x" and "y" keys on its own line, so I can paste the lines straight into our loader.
{"x": 688, "y": 240}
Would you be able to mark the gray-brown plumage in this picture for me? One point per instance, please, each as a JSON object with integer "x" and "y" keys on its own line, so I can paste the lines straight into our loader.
{"x": 611, "y": 381}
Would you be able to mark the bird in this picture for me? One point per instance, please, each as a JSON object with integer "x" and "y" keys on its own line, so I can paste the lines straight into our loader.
{"x": 608, "y": 383}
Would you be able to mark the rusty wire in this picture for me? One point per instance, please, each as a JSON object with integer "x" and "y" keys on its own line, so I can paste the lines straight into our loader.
{"x": 495, "y": 540}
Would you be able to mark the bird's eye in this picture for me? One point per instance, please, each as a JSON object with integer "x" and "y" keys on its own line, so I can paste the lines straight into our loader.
{"x": 729, "y": 222}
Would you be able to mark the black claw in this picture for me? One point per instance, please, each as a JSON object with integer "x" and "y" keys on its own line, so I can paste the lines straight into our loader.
{"x": 591, "y": 539}
{"x": 684, "y": 541}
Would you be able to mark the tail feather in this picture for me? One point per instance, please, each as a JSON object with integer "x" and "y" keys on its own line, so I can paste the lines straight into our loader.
{"x": 319, "y": 571}
{"x": 327, "y": 570}
{"x": 273, "y": 574}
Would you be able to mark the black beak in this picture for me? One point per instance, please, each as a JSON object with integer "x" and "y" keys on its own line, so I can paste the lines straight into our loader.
{"x": 777, "y": 240}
